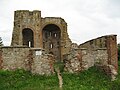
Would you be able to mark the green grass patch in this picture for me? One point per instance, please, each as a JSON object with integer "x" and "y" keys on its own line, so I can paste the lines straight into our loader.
{"x": 91, "y": 79}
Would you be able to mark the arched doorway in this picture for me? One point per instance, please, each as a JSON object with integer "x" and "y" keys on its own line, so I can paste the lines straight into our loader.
{"x": 28, "y": 37}
{"x": 51, "y": 40}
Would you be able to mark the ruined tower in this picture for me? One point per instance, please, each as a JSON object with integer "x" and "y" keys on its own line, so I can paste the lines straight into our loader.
{"x": 49, "y": 33}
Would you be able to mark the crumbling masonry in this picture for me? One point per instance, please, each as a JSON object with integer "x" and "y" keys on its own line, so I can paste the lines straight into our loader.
{"x": 37, "y": 43}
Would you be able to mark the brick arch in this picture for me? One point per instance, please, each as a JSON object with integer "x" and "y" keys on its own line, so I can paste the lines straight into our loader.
{"x": 50, "y": 23}
{"x": 28, "y": 37}
{"x": 51, "y": 39}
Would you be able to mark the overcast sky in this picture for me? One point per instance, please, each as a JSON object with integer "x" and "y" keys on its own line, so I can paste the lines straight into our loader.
{"x": 86, "y": 19}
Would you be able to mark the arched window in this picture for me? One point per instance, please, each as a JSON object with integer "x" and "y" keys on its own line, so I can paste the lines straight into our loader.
{"x": 28, "y": 37}
{"x": 51, "y": 36}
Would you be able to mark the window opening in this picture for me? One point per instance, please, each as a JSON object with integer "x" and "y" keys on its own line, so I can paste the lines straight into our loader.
{"x": 50, "y": 34}
{"x": 51, "y": 45}
{"x": 55, "y": 35}
{"x": 29, "y": 44}
{"x": 46, "y": 35}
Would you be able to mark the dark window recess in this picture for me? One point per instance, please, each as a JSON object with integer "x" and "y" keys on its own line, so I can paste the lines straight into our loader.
{"x": 28, "y": 37}
{"x": 43, "y": 44}
{"x": 105, "y": 42}
{"x": 52, "y": 39}
{"x": 30, "y": 13}
{"x": 51, "y": 53}
{"x": 95, "y": 42}
{"x": 46, "y": 35}
{"x": 100, "y": 40}
{"x": 113, "y": 39}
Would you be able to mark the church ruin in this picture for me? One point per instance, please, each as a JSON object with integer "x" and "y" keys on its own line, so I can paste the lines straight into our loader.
{"x": 49, "y": 33}
{"x": 37, "y": 43}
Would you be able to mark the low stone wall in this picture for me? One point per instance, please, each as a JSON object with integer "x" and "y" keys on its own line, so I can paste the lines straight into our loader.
{"x": 101, "y": 52}
{"x": 15, "y": 58}
{"x": 101, "y": 57}
{"x": 108, "y": 42}
{"x": 73, "y": 61}
{"x": 32, "y": 59}
{"x": 82, "y": 59}
{"x": 42, "y": 64}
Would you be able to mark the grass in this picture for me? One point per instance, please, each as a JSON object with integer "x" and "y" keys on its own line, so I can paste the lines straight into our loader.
{"x": 92, "y": 79}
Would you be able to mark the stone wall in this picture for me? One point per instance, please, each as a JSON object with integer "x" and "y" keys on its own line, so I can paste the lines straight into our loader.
{"x": 100, "y": 52}
{"x": 109, "y": 42}
{"x": 15, "y": 58}
{"x": 42, "y": 64}
{"x": 80, "y": 59}
{"x": 30, "y": 59}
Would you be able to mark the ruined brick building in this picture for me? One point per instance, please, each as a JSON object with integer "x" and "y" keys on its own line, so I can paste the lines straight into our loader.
{"x": 38, "y": 42}
{"x": 49, "y": 33}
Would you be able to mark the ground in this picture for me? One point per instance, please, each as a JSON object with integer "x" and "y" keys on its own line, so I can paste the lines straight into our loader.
{"x": 91, "y": 79}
